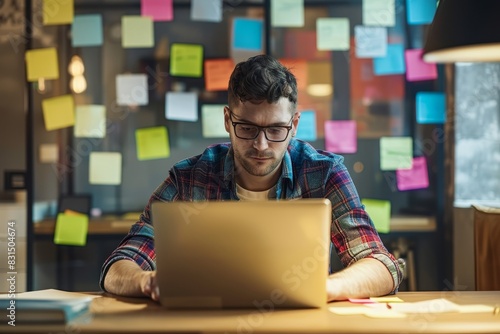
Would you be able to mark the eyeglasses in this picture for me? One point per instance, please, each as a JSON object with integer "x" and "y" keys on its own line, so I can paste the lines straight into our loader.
{"x": 273, "y": 133}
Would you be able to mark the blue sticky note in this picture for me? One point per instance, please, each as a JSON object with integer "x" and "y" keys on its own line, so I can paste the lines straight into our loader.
{"x": 247, "y": 34}
{"x": 431, "y": 107}
{"x": 420, "y": 11}
{"x": 307, "y": 126}
{"x": 392, "y": 63}
{"x": 86, "y": 30}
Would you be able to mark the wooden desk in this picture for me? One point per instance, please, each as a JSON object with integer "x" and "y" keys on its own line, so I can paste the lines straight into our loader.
{"x": 137, "y": 315}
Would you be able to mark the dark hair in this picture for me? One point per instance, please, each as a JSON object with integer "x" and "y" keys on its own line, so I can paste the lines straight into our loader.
{"x": 261, "y": 78}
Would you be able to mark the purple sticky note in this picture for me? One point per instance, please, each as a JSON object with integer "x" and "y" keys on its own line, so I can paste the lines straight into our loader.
{"x": 415, "y": 177}
{"x": 416, "y": 68}
{"x": 341, "y": 136}
{"x": 159, "y": 10}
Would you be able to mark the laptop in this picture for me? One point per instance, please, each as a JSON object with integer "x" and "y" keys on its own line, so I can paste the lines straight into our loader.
{"x": 242, "y": 254}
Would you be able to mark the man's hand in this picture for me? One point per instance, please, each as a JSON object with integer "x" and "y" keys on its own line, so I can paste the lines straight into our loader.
{"x": 149, "y": 286}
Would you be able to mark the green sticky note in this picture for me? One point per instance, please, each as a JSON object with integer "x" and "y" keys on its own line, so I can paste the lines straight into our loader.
{"x": 212, "y": 121}
{"x": 380, "y": 213}
{"x": 152, "y": 143}
{"x": 137, "y": 31}
{"x": 186, "y": 60}
{"x": 90, "y": 121}
{"x": 71, "y": 229}
{"x": 396, "y": 153}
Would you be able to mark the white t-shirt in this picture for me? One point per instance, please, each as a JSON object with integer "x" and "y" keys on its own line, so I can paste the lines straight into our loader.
{"x": 247, "y": 195}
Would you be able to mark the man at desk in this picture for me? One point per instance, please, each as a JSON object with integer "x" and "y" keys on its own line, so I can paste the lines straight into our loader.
{"x": 263, "y": 161}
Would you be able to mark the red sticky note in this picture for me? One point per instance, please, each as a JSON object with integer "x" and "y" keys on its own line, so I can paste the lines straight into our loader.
{"x": 416, "y": 68}
{"x": 341, "y": 136}
{"x": 217, "y": 73}
{"x": 416, "y": 177}
{"x": 159, "y": 10}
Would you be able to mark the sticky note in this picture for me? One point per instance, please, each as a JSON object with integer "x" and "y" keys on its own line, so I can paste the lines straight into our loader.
{"x": 431, "y": 107}
{"x": 247, "y": 34}
{"x": 341, "y": 136}
{"x": 58, "y": 112}
{"x": 361, "y": 300}
{"x": 152, "y": 143}
{"x": 105, "y": 168}
{"x": 86, "y": 30}
{"x": 132, "y": 90}
{"x": 416, "y": 68}
{"x": 186, "y": 60}
{"x": 158, "y": 10}
{"x": 332, "y": 33}
{"x": 392, "y": 63}
{"x": 212, "y": 121}
{"x": 298, "y": 67}
{"x": 287, "y": 13}
{"x": 206, "y": 10}
{"x": 71, "y": 229}
{"x": 379, "y": 212}
{"x": 387, "y": 299}
{"x": 217, "y": 73}
{"x": 370, "y": 41}
{"x": 181, "y": 106}
{"x": 137, "y": 31}
{"x": 48, "y": 153}
{"x": 417, "y": 177}
{"x": 379, "y": 13}
{"x": 42, "y": 64}
{"x": 420, "y": 11}
{"x": 90, "y": 121}
{"x": 307, "y": 126}
{"x": 396, "y": 153}
{"x": 58, "y": 12}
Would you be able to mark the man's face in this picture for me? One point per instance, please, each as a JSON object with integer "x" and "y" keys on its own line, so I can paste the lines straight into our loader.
{"x": 258, "y": 161}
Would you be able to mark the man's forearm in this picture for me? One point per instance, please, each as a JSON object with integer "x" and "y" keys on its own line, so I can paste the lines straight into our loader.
{"x": 365, "y": 278}
{"x": 125, "y": 278}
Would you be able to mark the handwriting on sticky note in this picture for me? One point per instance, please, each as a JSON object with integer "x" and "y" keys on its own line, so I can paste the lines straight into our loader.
{"x": 186, "y": 60}
{"x": 42, "y": 64}
{"x": 58, "y": 112}
{"x": 152, "y": 143}
{"x": 71, "y": 229}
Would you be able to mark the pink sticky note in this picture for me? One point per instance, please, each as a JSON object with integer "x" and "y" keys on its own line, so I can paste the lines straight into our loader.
{"x": 415, "y": 177}
{"x": 159, "y": 10}
{"x": 416, "y": 68}
{"x": 361, "y": 301}
{"x": 341, "y": 136}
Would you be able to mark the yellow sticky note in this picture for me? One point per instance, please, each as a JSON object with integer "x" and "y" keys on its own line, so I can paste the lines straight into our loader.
{"x": 41, "y": 64}
{"x": 58, "y": 112}
{"x": 58, "y": 12}
{"x": 90, "y": 121}
{"x": 71, "y": 229}
{"x": 380, "y": 213}
{"x": 137, "y": 32}
{"x": 186, "y": 60}
{"x": 387, "y": 299}
{"x": 105, "y": 168}
{"x": 152, "y": 143}
{"x": 212, "y": 121}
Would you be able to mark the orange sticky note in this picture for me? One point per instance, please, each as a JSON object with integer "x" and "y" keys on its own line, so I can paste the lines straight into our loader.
{"x": 41, "y": 64}
{"x": 217, "y": 73}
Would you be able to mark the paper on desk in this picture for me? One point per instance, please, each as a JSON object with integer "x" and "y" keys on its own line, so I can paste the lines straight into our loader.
{"x": 440, "y": 305}
{"x": 49, "y": 293}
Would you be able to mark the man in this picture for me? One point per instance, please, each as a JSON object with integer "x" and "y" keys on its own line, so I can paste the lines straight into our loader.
{"x": 263, "y": 161}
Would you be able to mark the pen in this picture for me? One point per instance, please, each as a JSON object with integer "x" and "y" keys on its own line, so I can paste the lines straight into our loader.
{"x": 496, "y": 310}
{"x": 390, "y": 307}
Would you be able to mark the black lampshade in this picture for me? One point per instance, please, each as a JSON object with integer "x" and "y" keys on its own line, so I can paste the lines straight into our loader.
{"x": 464, "y": 31}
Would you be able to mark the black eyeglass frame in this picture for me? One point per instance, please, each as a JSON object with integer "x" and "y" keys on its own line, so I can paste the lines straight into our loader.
{"x": 261, "y": 128}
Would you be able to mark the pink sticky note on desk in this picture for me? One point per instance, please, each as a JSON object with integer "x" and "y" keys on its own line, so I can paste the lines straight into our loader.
{"x": 416, "y": 68}
{"x": 361, "y": 301}
{"x": 159, "y": 10}
{"x": 416, "y": 177}
{"x": 341, "y": 136}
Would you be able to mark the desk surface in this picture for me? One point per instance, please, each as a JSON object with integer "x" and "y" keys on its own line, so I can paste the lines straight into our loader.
{"x": 112, "y": 314}
{"x": 114, "y": 225}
